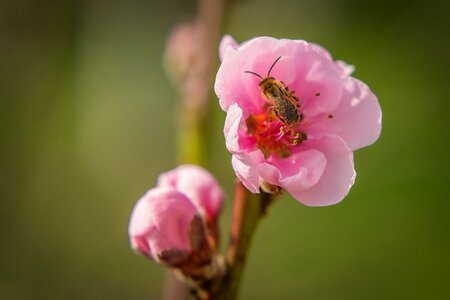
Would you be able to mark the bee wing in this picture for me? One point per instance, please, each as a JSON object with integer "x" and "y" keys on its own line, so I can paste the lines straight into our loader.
{"x": 283, "y": 92}
{"x": 277, "y": 91}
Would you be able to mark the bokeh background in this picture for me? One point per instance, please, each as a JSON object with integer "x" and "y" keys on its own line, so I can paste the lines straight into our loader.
{"x": 87, "y": 123}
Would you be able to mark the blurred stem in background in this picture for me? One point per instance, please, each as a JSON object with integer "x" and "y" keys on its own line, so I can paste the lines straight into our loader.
{"x": 190, "y": 59}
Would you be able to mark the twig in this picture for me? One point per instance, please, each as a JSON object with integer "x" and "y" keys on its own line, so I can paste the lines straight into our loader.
{"x": 247, "y": 211}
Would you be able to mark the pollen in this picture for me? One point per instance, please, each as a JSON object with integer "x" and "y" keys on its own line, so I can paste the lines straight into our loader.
{"x": 272, "y": 136}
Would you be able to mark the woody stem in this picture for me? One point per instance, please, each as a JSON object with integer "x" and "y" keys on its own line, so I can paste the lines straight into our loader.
{"x": 247, "y": 211}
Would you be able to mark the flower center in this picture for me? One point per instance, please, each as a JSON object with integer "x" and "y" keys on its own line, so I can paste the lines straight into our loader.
{"x": 271, "y": 135}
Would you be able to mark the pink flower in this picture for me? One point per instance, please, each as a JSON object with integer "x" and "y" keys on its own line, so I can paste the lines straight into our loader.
{"x": 302, "y": 141}
{"x": 171, "y": 223}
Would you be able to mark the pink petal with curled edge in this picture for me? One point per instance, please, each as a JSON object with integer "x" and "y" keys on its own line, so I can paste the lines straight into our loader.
{"x": 231, "y": 129}
{"x": 247, "y": 171}
{"x": 227, "y": 41}
{"x": 338, "y": 175}
{"x": 198, "y": 185}
{"x": 357, "y": 120}
{"x": 346, "y": 68}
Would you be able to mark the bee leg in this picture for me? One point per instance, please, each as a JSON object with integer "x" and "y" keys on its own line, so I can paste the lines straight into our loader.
{"x": 300, "y": 137}
{"x": 295, "y": 138}
{"x": 270, "y": 112}
{"x": 282, "y": 133}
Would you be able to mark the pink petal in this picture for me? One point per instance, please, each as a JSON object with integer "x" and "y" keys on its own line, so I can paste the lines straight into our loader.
{"x": 229, "y": 85}
{"x": 357, "y": 120}
{"x": 346, "y": 68}
{"x": 342, "y": 65}
{"x": 227, "y": 41}
{"x": 159, "y": 243}
{"x": 235, "y": 131}
{"x": 338, "y": 175}
{"x": 318, "y": 82}
{"x": 295, "y": 173}
{"x": 141, "y": 245}
{"x": 141, "y": 219}
{"x": 322, "y": 51}
{"x": 173, "y": 213}
{"x": 284, "y": 70}
{"x": 247, "y": 171}
{"x": 233, "y": 123}
{"x": 233, "y": 85}
{"x": 161, "y": 217}
{"x": 198, "y": 185}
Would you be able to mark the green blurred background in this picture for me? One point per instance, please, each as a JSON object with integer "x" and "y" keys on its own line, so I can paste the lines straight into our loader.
{"x": 87, "y": 124}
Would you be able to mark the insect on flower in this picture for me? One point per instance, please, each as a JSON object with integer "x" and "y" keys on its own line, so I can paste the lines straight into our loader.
{"x": 282, "y": 100}
{"x": 338, "y": 115}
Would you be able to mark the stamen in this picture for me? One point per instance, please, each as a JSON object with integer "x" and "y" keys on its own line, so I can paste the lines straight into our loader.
{"x": 271, "y": 135}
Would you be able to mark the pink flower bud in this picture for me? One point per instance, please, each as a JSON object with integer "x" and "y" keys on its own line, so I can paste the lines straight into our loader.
{"x": 176, "y": 222}
{"x": 160, "y": 224}
{"x": 180, "y": 50}
{"x": 198, "y": 185}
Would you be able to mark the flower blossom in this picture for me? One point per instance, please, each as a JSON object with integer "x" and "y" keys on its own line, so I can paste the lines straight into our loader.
{"x": 170, "y": 222}
{"x": 297, "y": 127}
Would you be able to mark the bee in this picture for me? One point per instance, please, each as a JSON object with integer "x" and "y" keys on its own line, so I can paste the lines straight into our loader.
{"x": 282, "y": 100}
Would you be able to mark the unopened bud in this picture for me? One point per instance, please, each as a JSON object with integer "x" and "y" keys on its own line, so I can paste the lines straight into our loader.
{"x": 180, "y": 49}
{"x": 160, "y": 224}
{"x": 175, "y": 224}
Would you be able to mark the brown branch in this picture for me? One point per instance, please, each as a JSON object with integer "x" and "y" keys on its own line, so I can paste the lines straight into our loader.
{"x": 247, "y": 211}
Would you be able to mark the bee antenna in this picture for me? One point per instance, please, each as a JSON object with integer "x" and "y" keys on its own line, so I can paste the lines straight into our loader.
{"x": 268, "y": 74}
{"x": 250, "y": 72}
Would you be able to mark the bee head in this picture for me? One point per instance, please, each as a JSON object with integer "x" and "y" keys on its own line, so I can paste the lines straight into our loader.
{"x": 266, "y": 83}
